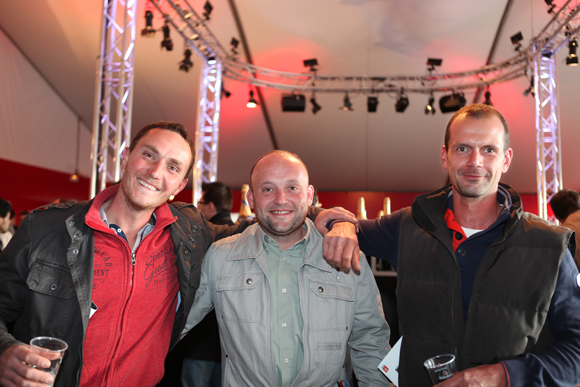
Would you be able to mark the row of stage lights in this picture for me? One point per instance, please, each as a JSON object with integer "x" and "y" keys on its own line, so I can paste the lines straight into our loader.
{"x": 297, "y": 102}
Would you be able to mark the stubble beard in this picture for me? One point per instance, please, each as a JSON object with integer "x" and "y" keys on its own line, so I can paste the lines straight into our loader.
{"x": 477, "y": 190}
{"x": 134, "y": 205}
{"x": 272, "y": 229}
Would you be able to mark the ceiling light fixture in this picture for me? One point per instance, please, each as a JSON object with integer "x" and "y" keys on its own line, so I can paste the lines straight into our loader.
{"x": 550, "y": 5}
{"x": 372, "y": 103}
{"x": 166, "y": 42}
{"x": 252, "y": 103}
{"x": 312, "y": 63}
{"x": 315, "y": 106}
{"x": 530, "y": 89}
{"x": 225, "y": 93}
{"x": 572, "y": 59}
{"x": 347, "y": 106}
{"x": 148, "y": 31}
{"x": 432, "y": 63}
{"x": 234, "y": 43}
{"x": 430, "y": 108}
{"x": 402, "y": 102}
{"x": 516, "y": 39}
{"x": 186, "y": 63}
{"x": 293, "y": 102}
{"x": 452, "y": 103}
{"x": 487, "y": 97}
{"x": 207, "y": 8}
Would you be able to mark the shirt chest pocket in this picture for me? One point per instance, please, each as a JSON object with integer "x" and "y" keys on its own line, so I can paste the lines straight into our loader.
{"x": 239, "y": 296}
{"x": 331, "y": 306}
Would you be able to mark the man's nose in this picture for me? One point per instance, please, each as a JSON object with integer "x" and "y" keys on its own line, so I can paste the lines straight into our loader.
{"x": 475, "y": 159}
{"x": 280, "y": 197}
{"x": 155, "y": 169}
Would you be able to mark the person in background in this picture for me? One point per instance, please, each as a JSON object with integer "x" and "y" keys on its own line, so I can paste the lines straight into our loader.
{"x": 114, "y": 277}
{"x": 476, "y": 276}
{"x": 566, "y": 207}
{"x": 285, "y": 316}
{"x": 216, "y": 202}
{"x": 201, "y": 347}
{"x": 5, "y": 213}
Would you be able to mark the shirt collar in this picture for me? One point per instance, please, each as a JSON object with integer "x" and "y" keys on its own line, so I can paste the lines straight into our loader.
{"x": 297, "y": 249}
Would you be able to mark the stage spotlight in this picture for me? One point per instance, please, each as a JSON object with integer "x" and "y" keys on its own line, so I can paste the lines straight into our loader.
{"x": 530, "y": 89}
{"x": 311, "y": 63}
{"x": 347, "y": 106}
{"x": 186, "y": 63}
{"x": 207, "y": 8}
{"x": 234, "y": 43}
{"x": 488, "y": 97}
{"x": 372, "y": 103}
{"x": 225, "y": 93}
{"x": 432, "y": 63}
{"x": 430, "y": 108}
{"x": 452, "y": 103}
{"x": 572, "y": 59}
{"x": 166, "y": 42}
{"x": 516, "y": 39}
{"x": 148, "y": 31}
{"x": 402, "y": 102}
{"x": 315, "y": 106}
{"x": 252, "y": 102}
{"x": 293, "y": 102}
{"x": 550, "y": 5}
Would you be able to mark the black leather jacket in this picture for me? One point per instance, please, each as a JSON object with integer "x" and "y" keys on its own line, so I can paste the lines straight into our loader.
{"x": 46, "y": 275}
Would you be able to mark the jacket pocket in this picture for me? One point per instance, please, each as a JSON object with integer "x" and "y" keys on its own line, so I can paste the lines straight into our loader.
{"x": 50, "y": 279}
{"x": 331, "y": 306}
{"x": 239, "y": 296}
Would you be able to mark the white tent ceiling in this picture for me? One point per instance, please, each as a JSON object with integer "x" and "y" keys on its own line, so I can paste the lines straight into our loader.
{"x": 382, "y": 151}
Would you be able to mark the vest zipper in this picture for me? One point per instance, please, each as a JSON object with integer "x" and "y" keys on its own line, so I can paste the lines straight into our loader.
{"x": 133, "y": 260}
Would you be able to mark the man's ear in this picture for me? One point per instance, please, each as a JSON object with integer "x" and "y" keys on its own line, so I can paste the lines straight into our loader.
{"x": 211, "y": 206}
{"x": 250, "y": 198}
{"x": 444, "y": 157}
{"x": 125, "y": 158}
{"x": 310, "y": 195}
{"x": 181, "y": 187}
{"x": 508, "y": 156}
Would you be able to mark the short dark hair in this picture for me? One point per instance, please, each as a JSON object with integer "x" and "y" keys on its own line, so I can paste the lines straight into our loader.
{"x": 5, "y": 208}
{"x": 219, "y": 194}
{"x": 479, "y": 111}
{"x": 564, "y": 203}
{"x": 172, "y": 127}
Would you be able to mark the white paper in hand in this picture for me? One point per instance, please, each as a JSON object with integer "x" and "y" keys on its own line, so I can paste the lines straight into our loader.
{"x": 390, "y": 364}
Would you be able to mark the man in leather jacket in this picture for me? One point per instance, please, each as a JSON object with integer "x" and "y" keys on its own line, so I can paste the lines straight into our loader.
{"x": 108, "y": 275}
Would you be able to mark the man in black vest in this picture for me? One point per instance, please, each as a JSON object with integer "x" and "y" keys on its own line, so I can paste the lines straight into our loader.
{"x": 477, "y": 277}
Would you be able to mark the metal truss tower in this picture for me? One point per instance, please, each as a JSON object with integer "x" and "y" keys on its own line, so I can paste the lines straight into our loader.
{"x": 207, "y": 131}
{"x": 113, "y": 92}
{"x": 548, "y": 156}
{"x": 564, "y": 26}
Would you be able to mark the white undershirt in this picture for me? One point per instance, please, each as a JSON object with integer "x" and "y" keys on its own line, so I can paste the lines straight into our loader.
{"x": 470, "y": 231}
